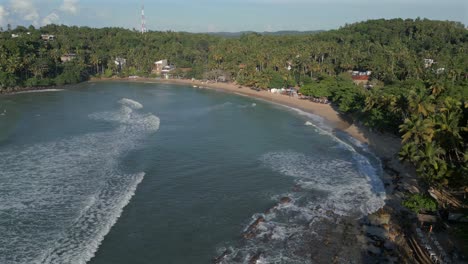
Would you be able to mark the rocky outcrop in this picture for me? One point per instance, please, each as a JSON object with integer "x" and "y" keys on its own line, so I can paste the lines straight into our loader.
{"x": 250, "y": 232}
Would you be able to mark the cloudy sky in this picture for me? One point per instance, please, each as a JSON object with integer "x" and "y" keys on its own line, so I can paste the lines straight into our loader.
{"x": 224, "y": 15}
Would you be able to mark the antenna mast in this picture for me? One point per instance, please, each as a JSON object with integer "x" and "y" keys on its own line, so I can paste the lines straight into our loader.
{"x": 143, "y": 21}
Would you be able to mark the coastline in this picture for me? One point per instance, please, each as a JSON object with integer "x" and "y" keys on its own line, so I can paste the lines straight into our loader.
{"x": 387, "y": 145}
{"x": 398, "y": 178}
{"x": 36, "y": 89}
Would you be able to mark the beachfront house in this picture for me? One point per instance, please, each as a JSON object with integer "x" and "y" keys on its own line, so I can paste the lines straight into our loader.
{"x": 159, "y": 66}
{"x": 68, "y": 57}
{"x": 47, "y": 37}
{"x": 222, "y": 78}
{"x": 120, "y": 62}
{"x": 361, "y": 77}
{"x": 167, "y": 70}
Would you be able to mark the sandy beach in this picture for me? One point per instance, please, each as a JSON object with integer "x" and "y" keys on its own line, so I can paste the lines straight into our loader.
{"x": 384, "y": 145}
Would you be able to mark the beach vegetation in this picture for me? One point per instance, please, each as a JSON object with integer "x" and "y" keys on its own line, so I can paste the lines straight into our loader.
{"x": 420, "y": 203}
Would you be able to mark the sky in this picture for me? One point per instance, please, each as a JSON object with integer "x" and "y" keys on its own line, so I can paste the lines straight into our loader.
{"x": 224, "y": 15}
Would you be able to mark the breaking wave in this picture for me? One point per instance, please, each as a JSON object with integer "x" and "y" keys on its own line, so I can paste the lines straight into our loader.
{"x": 40, "y": 91}
{"x": 131, "y": 103}
{"x": 326, "y": 190}
{"x": 59, "y": 199}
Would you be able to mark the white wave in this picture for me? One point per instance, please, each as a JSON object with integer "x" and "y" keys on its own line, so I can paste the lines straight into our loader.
{"x": 315, "y": 120}
{"x": 59, "y": 199}
{"x": 370, "y": 172}
{"x": 330, "y": 188}
{"x": 40, "y": 91}
{"x": 82, "y": 239}
{"x": 253, "y": 105}
{"x": 218, "y": 106}
{"x": 135, "y": 122}
{"x": 131, "y": 103}
{"x": 348, "y": 185}
{"x": 365, "y": 167}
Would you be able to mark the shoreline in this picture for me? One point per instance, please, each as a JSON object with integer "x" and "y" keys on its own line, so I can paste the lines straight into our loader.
{"x": 386, "y": 149}
{"x": 36, "y": 89}
{"x": 397, "y": 178}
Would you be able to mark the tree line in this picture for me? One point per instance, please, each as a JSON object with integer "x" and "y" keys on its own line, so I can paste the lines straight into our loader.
{"x": 424, "y": 101}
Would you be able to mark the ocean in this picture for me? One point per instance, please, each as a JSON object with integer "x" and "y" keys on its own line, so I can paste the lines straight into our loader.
{"x": 119, "y": 172}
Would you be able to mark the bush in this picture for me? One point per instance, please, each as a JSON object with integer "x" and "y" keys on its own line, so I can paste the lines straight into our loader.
{"x": 108, "y": 73}
{"x": 419, "y": 203}
{"x": 7, "y": 80}
{"x": 276, "y": 81}
{"x": 31, "y": 82}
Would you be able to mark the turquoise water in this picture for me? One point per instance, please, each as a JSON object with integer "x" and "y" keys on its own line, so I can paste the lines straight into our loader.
{"x": 155, "y": 173}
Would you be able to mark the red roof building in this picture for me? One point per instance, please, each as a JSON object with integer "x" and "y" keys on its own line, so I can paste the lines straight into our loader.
{"x": 360, "y": 78}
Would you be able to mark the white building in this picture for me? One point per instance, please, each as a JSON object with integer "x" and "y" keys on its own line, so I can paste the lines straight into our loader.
{"x": 120, "y": 61}
{"x": 166, "y": 71}
{"x": 428, "y": 63}
{"x": 47, "y": 37}
{"x": 159, "y": 66}
{"x": 68, "y": 57}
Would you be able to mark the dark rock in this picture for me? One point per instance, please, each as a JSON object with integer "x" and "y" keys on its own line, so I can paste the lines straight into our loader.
{"x": 250, "y": 232}
{"x": 297, "y": 188}
{"x": 285, "y": 200}
{"x": 374, "y": 250}
{"x": 255, "y": 258}
{"x": 389, "y": 245}
{"x": 221, "y": 257}
{"x": 374, "y": 231}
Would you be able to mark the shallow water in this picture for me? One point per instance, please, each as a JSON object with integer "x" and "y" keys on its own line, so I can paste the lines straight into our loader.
{"x": 154, "y": 173}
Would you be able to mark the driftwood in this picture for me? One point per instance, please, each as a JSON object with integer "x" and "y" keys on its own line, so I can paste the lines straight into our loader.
{"x": 446, "y": 199}
{"x": 427, "y": 218}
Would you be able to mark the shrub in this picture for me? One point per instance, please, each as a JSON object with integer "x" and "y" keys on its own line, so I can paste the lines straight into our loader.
{"x": 108, "y": 73}
{"x": 419, "y": 203}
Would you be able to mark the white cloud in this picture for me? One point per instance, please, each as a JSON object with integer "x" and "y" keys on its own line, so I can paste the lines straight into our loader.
{"x": 52, "y": 18}
{"x": 3, "y": 15}
{"x": 25, "y": 9}
{"x": 70, "y": 6}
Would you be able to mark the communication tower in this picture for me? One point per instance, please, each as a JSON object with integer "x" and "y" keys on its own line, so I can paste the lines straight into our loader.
{"x": 143, "y": 21}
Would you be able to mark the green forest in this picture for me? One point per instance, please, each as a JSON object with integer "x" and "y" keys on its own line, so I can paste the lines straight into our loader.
{"x": 419, "y": 80}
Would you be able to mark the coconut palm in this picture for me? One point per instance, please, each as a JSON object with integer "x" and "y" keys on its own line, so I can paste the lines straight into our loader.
{"x": 417, "y": 129}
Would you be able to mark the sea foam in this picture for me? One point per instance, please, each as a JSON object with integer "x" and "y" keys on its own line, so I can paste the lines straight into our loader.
{"x": 59, "y": 199}
{"x": 328, "y": 189}
{"x": 40, "y": 91}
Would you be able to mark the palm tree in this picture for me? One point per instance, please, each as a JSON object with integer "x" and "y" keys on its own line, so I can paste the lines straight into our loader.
{"x": 420, "y": 103}
{"x": 94, "y": 59}
{"x": 417, "y": 130}
{"x": 431, "y": 165}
